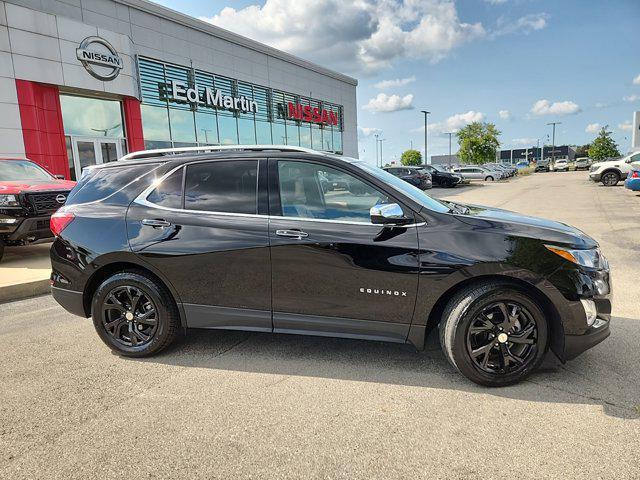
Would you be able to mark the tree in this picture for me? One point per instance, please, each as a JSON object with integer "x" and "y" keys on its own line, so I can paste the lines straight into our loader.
{"x": 411, "y": 157}
{"x": 582, "y": 151}
{"x": 478, "y": 142}
{"x": 603, "y": 146}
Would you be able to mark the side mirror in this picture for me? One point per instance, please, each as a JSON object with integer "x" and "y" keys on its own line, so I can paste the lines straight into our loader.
{"x": 59, "y": 177}
{"x": 388, "y": 214}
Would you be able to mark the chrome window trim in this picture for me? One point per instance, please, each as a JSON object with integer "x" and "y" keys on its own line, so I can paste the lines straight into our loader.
{"x": 141, "y": 199}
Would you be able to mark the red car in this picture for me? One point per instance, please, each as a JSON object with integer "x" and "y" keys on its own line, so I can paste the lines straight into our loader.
{"x": 28, "y": 196}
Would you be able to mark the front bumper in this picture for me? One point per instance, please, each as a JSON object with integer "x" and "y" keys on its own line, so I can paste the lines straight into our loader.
{"x": 595, "y": 177}
{"x": 29, "y": 228}
{"x": 574, "y": 345}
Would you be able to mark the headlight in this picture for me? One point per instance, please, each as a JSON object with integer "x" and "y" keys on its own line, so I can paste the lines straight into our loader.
{"x": 8, "y": 201}
{"x": 591, "y": 258}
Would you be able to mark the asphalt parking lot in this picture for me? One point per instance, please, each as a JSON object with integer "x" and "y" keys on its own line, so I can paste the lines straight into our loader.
{"x": 245, "y": 405}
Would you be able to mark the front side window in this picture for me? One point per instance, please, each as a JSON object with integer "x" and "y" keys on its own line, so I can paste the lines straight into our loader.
{"x": 225, "y": 186}
{"x": 169, "y": 192}
{"x": 309, "y": 190}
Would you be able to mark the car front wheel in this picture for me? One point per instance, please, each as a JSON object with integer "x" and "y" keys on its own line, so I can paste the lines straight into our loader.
{"x": 488, "y": 179}
{"x": 610, "y": 179}
{"x": 493, "y": 334}
{"x": 134, "y": 314}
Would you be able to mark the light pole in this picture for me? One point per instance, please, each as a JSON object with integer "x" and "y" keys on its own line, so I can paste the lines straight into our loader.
{"x": 553, "y": 143}
{"x": 426, "y": 157}
{"x": 376, "y": 135}
{"x": 381, "y": 160}
{"x": 449, "y": 133}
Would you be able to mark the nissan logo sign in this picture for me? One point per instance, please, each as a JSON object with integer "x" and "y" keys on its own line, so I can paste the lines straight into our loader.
{"x": 99, "y": 58}
{"x": 61, "y": 198}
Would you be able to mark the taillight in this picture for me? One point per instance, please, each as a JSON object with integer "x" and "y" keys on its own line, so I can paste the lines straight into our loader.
{"x": 635, "y": 174}
{"x": 59, "y": 221}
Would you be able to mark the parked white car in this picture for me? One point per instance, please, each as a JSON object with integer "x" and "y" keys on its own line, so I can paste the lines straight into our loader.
{"x": 610, "y": 172}
{"x": 476, "y": 172}
{"x": 561, "y": 165}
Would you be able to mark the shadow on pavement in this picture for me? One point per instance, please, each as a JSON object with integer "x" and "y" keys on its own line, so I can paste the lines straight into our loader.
{"x": 605, "y": 375}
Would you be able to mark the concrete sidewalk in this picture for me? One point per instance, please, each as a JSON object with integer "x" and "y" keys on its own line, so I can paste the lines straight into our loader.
{"x": 24, "y": 272}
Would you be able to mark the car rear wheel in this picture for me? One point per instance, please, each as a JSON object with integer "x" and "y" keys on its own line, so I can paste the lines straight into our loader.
{"x": 134, "y": 314}
{"x": 610, "y": 179}
{"x": 488, "y": 179}
{"x": 493, "y": 334}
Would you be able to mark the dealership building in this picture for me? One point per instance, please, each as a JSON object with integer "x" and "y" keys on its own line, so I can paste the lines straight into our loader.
{"x": 83, "y": 82}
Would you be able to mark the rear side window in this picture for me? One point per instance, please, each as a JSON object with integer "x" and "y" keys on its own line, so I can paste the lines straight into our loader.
{"x": 229, "y": 187}
{"x": 111, "y": 182}
{"x": 169, "y": 192}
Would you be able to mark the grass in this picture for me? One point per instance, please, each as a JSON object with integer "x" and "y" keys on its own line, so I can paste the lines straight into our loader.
{"x": 525, "y": 171}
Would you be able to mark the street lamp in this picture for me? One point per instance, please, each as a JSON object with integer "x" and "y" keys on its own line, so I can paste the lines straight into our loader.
{"x": 426, "y": 113}
{"x": 376, "y": 135}
{"x": 553, "y": 143}
{"x": 449, "y": 133}
{"x": 381, "y": 160}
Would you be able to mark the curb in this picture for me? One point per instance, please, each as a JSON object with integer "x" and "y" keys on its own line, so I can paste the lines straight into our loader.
{"x": 18, "y": 291}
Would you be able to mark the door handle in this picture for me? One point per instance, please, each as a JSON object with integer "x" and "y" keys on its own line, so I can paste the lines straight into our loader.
{"x": 155, "y": 222}
{"x": 299, "y": 234}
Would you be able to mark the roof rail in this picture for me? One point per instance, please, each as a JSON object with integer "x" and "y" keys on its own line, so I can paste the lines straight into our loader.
{"x": 160, "y": 152}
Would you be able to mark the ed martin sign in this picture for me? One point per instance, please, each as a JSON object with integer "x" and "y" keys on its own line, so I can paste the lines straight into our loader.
{"x": 211, "y": 97}
{"x": 99, "y": 58}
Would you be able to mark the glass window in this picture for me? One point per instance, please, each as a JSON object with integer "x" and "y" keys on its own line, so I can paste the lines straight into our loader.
{"x": 222, "y": 186}
{"x": 279, "y": 134}
{"x": 206, "y": 128}
{"x": 263, "y": 133}
{"x": 293, "y": 137}
{"x": 169, "y": 192}
{"x": 182, "y": 126}
{"x": 92, "y": 117}
{"x": 310, "y": 190}
{"x": 228, "y": 130}
{"x": 154, "y": 144}
{"x": 316, "y": 137}
{"x": 337, "y": 141}
{"x": 305, "y": 135}
{"x": 155, "y": 123}
{"x": 72, "y": 165}
{"x": 246, "y": 131}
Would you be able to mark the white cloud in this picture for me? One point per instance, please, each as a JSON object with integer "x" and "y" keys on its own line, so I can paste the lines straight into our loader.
{"x": 454, "y": 122}
{"x": 504, "y": 114}
{"x": 496, "y": 2}
{"x": 524, "y": 142}
{"x": 396, "y": 82}
{"x": 523, "y": 25}
{"x": 384, "y": 103}
{"x": 631, "y": 98}
{"x": 368, "y": 131}
{"x": 593, "y": 128}
{"x": 636, "y": 81}
{"x": 602, "y": 105}
{"x": 357, "y": 36}
{"x": 625, "y": 126}
{"x": 544, "y": 107}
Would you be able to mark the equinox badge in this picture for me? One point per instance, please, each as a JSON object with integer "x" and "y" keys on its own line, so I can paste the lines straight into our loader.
{"x": 377, "y": 291}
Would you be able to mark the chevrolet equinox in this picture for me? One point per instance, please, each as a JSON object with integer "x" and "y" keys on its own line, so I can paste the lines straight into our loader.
{"x": 247, "y": 238}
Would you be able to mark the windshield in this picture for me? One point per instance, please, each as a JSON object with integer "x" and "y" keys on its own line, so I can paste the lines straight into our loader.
{"x": 409, "y": 190}
{"x": 21, "y": 170}
{"x": 439, "y": 168}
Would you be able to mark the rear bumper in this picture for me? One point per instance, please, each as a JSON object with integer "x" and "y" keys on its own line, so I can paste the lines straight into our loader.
{"x": 632, "y": 184}
{"x": 32, "y": 228}
{"x": 70, "y": 300}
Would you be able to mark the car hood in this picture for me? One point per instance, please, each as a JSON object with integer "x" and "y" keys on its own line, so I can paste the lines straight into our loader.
{"x": 36, "y": 186}
{"x": 526, "y": 226}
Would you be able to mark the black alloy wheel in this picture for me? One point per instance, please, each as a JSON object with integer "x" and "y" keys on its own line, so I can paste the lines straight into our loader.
{"x": 135, "y": 314}
{"x": 610, "y": 179}
{"x": 129, "y": 316}
{"x": 502, "y": 338}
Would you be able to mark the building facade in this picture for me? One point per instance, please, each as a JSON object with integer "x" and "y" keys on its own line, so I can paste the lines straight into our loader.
{"x": 83, "y": 82}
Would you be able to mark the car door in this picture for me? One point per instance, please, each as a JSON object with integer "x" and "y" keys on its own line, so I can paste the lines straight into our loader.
{"x": 206, "y": 230}
{"x": 333, "y": 271}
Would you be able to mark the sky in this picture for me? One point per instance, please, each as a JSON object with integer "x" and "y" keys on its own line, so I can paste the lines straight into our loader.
{"x": 519, "y": 64}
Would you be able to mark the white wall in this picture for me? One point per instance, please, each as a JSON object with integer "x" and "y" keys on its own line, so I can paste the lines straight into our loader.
{"x": 11, "y": 141}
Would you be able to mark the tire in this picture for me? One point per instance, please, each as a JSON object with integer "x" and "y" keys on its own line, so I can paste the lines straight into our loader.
{"x": 610, "y": 178}
{"x": 488, "y": 179}
{"x": 146, "y": 333}
{"x": 463, "y": 312}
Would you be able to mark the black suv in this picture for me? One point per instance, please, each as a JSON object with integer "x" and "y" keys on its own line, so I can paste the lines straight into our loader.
{"x": 416, "y": 176}
{"x": 248, "y": 239}
{"x": 442, "y": 177}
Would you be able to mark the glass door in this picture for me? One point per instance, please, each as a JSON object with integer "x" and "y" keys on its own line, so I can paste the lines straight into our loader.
{"x": 89, "y": 151}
